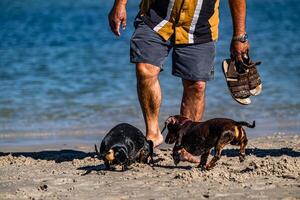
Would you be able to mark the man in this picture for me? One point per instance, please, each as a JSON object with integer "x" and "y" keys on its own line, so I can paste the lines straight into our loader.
{"x": 190, "y": 27}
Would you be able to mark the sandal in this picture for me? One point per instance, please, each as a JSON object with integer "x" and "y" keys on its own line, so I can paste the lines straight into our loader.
{"x": 255, "y": 83}
{"x": 237, "y": 81}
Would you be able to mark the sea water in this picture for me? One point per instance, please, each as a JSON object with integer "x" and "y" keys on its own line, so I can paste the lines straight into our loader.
{"x": 65, "y": 77}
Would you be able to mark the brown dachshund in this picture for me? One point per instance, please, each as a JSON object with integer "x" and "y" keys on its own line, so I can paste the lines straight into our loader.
{"x": 198, "y": 138}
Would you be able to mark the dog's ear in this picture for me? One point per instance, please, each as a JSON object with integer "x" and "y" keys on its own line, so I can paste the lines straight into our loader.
{"x": 97, "y": 153}
{"x": 166, "y": 124}
{"x": 170, "y": 120}
{"x": 151, "y": 150}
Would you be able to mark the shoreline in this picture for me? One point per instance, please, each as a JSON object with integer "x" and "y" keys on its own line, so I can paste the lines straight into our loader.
{"x": 270, "y": 171}
{"x": 79, "y": 140}
{"x": 84, "y": 138}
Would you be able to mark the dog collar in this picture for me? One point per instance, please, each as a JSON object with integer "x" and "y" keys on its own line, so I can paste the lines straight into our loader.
{"x": 184, "y": 121}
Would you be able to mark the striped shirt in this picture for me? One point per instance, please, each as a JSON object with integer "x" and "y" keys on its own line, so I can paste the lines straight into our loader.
{"x": 191, "y": 21}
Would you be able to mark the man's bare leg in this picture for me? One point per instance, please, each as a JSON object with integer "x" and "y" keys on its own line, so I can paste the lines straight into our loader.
{"x": 186, "y": 156}
{"x": 192, "y": 106}
{"x": 149, "y": 94}
{"x": 193, "y": 100}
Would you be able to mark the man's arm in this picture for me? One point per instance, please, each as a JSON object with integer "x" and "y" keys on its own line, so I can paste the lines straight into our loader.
{"x": 117, "y": 16}
{"x": 238, "y": 13}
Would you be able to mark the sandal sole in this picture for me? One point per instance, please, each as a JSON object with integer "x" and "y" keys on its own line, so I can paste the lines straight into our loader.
{"x": 256, "y": 91}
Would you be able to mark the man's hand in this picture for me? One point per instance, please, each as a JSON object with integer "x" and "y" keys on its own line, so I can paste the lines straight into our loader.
{"x": 117, "y": 16}
{"x": 238, "y": 12}
{"x": 238, "y": 50}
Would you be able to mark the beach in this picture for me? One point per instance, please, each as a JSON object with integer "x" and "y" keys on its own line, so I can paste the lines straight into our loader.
{"x": 270, "y": 171}
{"x": 66, "y": 80}
{"x": 62, "y": 70}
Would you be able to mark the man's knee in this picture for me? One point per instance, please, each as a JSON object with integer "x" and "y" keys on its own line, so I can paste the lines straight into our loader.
{"x": 146, "y": 71}
{"x": 197, "y": 87}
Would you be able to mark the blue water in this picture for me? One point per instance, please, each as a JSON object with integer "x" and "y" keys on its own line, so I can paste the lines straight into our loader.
{"x": 64, "y": 75}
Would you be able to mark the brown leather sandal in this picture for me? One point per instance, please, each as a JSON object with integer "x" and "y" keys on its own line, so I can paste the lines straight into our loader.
{"x": 255, "y": 83}
{"x": 237, "y": 81}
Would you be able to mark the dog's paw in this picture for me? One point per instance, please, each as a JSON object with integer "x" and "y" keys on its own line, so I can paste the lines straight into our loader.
{"x": 208, "y": 167}
{"x": 176, "y": 157}
{"x": 242, "y": 158}
{"x": 176, "y": 161}
{"x": 202, "y": 167}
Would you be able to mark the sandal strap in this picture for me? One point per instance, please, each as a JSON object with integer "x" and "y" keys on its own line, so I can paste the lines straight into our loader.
{"x": 239, "y": 88}
{"x": 237, "y": 80}
{"x": 254, "y": 83}
{"x": 252, "y": 64}
{"x": 242, "y": 94}
{"x": 253, "y": 77}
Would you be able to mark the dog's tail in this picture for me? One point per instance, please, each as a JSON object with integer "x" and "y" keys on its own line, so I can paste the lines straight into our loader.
{"x": 243, "y": 123}
{"x": 97, "y": 152}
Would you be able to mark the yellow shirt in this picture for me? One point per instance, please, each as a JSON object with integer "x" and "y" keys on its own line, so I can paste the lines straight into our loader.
{"x": 191, "y": 21}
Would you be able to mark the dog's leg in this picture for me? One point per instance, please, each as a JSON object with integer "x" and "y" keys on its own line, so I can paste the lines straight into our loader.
{"x": 142, "y": 158}
{"x": 124, "y": 167}
{"x": 107, "y": 165}
{"x": 151, "y": 162}
{"x": 126, "y": 164}
{"x": 216, "y": 157}
{"x": 176, "y": 156}
{"x": 225, "y": 139}
{"x": 243, "y": 144}
{"x": 203, "y": 160}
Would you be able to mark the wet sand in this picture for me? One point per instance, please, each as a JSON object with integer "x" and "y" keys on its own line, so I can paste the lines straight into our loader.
{"x": 271, "y": 171}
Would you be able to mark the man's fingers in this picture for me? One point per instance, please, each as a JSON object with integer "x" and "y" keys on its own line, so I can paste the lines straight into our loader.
{"x": 239, "y": 50}
{"x": 115, "y": 26}
{"x": 117, "y": 18}
{"x": 124, "y": 24}
{"x": 239, "y": 57}
{"x": 111, "y": 25}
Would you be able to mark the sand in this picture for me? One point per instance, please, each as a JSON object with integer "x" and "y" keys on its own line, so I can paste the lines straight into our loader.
{"x": 271, "y": 171}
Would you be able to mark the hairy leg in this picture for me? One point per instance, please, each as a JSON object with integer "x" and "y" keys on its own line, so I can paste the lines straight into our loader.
{"x": 149, "y": 94}
{"x": 193, "y": 99}
{"x": 192, "y": 106}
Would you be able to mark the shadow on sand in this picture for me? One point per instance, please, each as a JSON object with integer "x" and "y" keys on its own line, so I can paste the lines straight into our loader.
{"x": 57, "y": 156}
{"x": 90, "y": 168}
{"x": 69, "y": 155}
{"x": 262, "y": 152}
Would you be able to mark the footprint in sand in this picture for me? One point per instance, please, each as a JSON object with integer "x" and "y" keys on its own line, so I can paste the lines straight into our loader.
{"x": 62, "y": 181}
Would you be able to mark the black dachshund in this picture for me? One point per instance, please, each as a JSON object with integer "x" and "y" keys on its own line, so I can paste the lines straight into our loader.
{"x": 123, "y": 145}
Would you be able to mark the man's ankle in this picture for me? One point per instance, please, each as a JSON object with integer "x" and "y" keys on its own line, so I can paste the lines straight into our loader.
{"x": 156, "y": 138}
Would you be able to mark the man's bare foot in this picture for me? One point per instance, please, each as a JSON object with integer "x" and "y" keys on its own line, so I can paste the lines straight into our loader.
{"x": 186, "y": 156}
{"x": 157, "y": 139}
